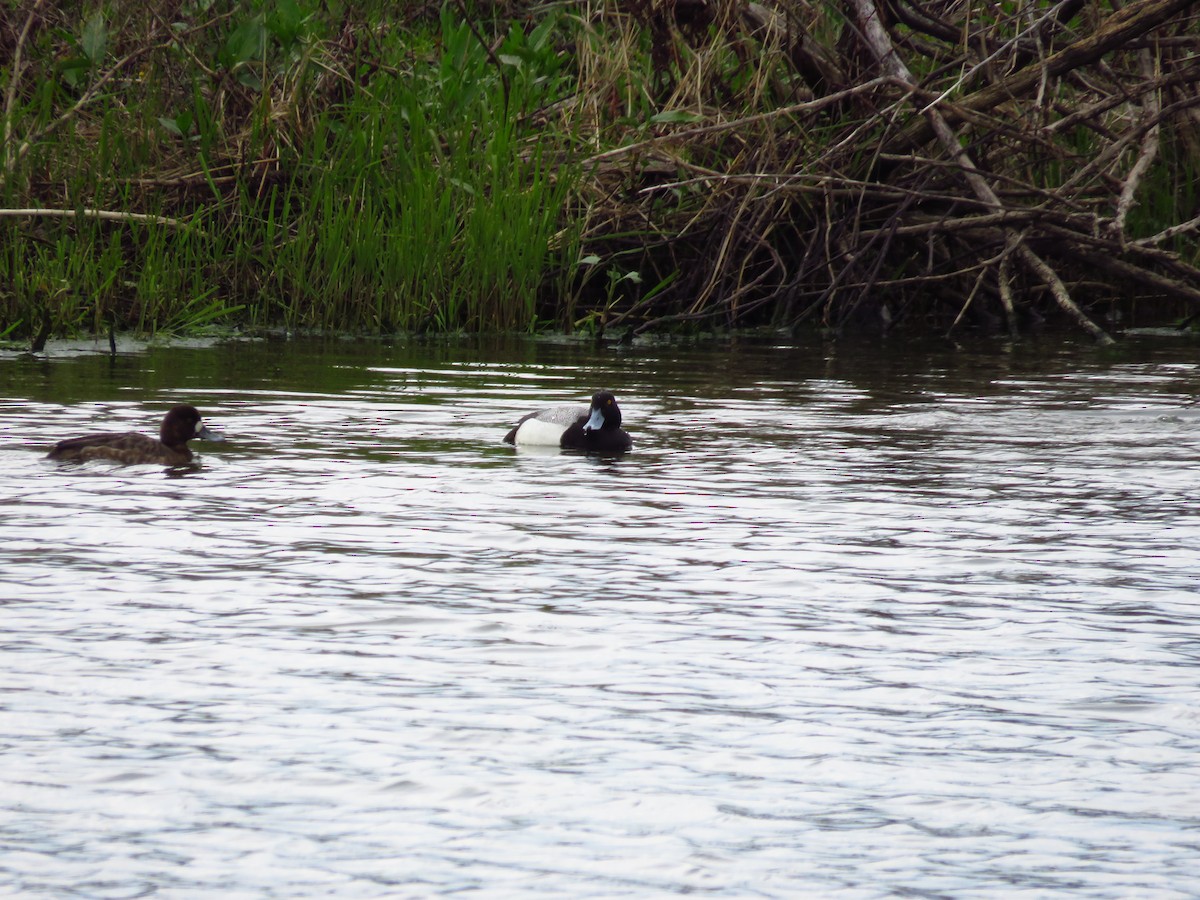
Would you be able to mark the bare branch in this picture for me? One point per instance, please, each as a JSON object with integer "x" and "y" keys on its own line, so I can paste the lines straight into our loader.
{"x": 809, "y": 106}
{"x": 1149, "y": 149}
{"x": 880, "y": 44}
{"x": 103, "y": 214}
{"x": 14, "y": 78}
{"x": 1127, "y": 23}
{"x": 1167, "y": 233}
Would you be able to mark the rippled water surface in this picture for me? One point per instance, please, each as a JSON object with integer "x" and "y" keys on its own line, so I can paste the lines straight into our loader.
{"x": 856, "y": 622}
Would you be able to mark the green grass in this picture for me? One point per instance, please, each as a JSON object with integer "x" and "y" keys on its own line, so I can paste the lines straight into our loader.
{"x": 430, "y": 197}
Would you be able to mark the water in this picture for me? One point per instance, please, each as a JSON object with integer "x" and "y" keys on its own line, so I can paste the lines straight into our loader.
{"x": 854, "y": 622}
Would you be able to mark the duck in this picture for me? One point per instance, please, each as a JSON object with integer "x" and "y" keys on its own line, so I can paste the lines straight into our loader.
{"x": 180, "y": 425}
{"x": 597, "y": 428}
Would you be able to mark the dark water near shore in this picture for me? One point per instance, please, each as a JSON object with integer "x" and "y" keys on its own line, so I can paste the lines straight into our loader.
{"x": 849, "y": 621}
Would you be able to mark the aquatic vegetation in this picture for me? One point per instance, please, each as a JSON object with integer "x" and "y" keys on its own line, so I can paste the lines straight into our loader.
{"x": 597, "y": 166}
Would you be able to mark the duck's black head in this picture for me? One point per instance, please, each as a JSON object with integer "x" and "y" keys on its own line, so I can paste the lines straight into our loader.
{"x": 604, "y": 413}
{"x": 182, "y": 424}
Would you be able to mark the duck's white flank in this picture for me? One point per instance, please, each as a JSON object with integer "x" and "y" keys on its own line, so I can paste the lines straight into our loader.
{"x": 545, "y": 428}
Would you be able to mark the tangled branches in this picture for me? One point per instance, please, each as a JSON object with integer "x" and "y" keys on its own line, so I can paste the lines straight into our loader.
{"x": 996, "y": 164}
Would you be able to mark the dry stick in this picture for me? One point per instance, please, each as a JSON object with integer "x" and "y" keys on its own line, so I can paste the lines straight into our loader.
{"x": 873, "y": 275}
{"x": 880, "y": 44}
{"x": 1060, "y": 292}
{"x": 201, "y": 178}
{"x": 1124, "y": 25}
{"x": 91, "y": 214}
{"x": 808, "y": 262}
{"x": 1165, "y": 258}
{"x": 1035, "y": 27}
{"x": 1097, "y": 167}
{"x": 1107, "y": 254}
{"x": 1149, "y": 151}
{"x": 868, "y": 282}
{"x": 10, "y": 96}
{"x": 1119, "y": 267}
{"x": 808, "y": 106}
{"x": 718, "y": 267}
{"x": 837, "y": 248}
{"x": 833, "y": 274}
{"x": 1004, "y": 279}
{"x": 758, "y": 236}
{"x": 1167, "y": 233}
{"x": 967, "y": 303}
{"x": 958, "y": 224}
{"x": 823, "y": 185}
{"x": 1127, "y": 94}
{"x": 697, "y": 311}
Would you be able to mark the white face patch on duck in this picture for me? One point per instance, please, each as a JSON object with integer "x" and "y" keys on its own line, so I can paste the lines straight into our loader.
{"x": 205, "y": 434}
{"x": 604, "y": 414}
{"x": 596, "y": 421}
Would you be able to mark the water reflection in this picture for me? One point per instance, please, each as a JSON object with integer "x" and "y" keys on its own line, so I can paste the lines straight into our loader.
{"x": 843, "y": 622}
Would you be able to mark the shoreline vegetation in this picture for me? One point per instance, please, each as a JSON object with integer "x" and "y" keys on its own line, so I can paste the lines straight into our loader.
{"x": 618, "y": 167}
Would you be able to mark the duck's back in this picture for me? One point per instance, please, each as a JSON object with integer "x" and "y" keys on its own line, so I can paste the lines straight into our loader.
{"x": 130, "y": 448}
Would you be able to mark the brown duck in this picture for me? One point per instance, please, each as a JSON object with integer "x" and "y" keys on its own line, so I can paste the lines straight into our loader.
{"x": 179, "y": 426}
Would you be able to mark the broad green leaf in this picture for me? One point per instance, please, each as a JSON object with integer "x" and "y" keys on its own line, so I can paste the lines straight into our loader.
{"x": 73, "y": 71}
{"x": 286, "y": 22}
{"x": 94, "y": 40}
{"x": 249, "y": 78}
{"x": 289, "y": 14}
{"x": 245, "y": 43}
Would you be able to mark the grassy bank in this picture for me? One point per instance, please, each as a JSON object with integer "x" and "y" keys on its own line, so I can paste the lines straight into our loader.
{"x": 607, "y": 164}
{"x": 258, "y": 166}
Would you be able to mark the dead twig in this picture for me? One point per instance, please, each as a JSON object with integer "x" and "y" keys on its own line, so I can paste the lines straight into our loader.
{"x": 880, "y": 44}
{"x": 100, "y": 214}
{"x": 10, "y": 95}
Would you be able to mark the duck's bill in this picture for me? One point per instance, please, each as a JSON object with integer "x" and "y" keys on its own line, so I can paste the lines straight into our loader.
{"x": 595, "y": 422}
{"x": 207, "y": 434}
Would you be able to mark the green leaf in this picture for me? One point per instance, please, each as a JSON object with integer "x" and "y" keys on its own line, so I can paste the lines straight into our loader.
{"x": 289, "y": 13}
{"x": 180, "y": 126}
{"x": 286, "y": 23}
{"x": 73, "y": 71}
{"x": 249, "y": 78}
{"x": 95, "y": 38}
{"x": 589, "y": 260}
{"x": 245, "y": 43}
{"x": 673, "y": 116}
{"x": 541, "y": 35}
